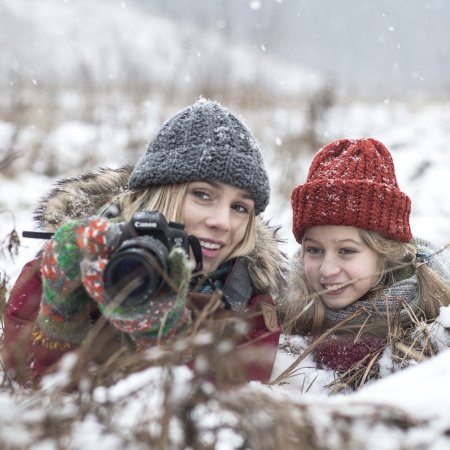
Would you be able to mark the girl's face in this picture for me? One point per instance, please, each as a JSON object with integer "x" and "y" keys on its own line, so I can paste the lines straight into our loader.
{"x": 218, "y": 214}
{"x": 337, "y": 260}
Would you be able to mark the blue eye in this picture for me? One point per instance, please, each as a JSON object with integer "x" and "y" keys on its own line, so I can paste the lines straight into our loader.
{"x": 347, "y": 251}
{"x": 202, "y": 195}
{"x": 313, "y": 250}
{"x": 240, "y": 208}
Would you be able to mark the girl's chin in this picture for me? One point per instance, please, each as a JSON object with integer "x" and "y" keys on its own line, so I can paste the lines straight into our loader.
{"x": 337, "y": 303}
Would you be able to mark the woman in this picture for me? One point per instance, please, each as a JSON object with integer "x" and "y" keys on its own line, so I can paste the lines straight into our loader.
{"x": 203, "y": 169}
{"x": 360, "y": 281}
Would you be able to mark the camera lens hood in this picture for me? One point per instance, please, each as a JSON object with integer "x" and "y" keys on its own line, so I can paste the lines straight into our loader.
{"x": 136, "y": 271}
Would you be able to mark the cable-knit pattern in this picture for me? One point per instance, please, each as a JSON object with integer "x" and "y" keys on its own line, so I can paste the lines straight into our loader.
{"x": 204, "y": 142}
{"x": 353, "y": 183}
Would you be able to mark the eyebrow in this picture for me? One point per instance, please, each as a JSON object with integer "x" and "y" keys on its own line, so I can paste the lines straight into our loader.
{"x": 338, "y": 241}
{"x": 247, "y": 196}
{"x": 348, "y": 240}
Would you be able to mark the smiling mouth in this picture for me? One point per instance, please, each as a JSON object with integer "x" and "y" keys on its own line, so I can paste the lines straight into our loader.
{"x": 334, "y": 288}
{"x": 210, "y": 245}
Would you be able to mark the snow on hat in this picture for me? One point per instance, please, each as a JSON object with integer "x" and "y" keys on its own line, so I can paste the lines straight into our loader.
{"x": 204, "y": 142}
{"x": 353, "y": 183}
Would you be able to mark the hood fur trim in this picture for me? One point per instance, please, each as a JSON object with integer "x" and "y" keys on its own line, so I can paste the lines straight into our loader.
{"x": 267, "y": 263}
{"x": 82, "y": 196}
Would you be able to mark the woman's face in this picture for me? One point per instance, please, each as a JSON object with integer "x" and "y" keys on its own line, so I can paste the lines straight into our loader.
{"x": 339, "y": 262}
{"x": 218, "y": 215}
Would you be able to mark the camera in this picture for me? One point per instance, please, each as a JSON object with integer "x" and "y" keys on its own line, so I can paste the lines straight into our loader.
{"x": 137, "y": 270}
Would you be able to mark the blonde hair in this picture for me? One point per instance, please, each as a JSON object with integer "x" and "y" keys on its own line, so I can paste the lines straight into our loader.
{"x": 168, "y": 200}
{"x": 305, "y": 312}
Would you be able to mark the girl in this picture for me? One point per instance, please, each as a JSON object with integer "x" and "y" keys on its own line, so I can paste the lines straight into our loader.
{"x": 203, "y": 168}
{"x": 360, "y": 279}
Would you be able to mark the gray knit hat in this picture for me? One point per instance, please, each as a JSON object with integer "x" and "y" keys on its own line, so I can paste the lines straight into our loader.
{"x": 204, "y": 142}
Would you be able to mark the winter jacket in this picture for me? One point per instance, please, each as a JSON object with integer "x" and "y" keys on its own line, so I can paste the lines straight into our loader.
{"x": 28, "y": 354}
{"x": 333, "y": 362}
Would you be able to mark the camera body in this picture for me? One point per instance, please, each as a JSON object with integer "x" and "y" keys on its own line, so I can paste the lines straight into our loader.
{"x": 138, "y": 269}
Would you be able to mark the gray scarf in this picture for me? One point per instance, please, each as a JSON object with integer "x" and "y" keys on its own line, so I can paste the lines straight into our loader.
{"x": 393, "y": 301}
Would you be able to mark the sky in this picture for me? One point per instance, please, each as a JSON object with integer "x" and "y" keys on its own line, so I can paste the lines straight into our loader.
{"x": 408, "y": 409}
{"x": 362, "y": 46}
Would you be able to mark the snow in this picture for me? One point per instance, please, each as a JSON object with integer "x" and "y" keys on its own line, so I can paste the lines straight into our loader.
{"x": 118, "y": 416}
{"x": 445, "y": 317}
{"x": 390, "y": 391}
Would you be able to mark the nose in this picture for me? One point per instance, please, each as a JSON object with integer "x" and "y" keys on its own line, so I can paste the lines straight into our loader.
{"x": 329, "y": 267}
{"x": 220, "y": 218}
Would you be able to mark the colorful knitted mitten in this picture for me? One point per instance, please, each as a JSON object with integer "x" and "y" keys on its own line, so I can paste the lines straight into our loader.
{"x": 66, "y": 307}
{"x": 163, "y": 315}
{"x": 72, "y": 271}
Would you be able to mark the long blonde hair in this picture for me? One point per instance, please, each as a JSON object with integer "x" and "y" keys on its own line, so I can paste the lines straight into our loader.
{"x": 304, "y": 311}
{"x": 168, "y": 200}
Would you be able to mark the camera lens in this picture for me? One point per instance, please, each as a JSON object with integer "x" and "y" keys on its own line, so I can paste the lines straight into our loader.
{"x": 134, "y": 273}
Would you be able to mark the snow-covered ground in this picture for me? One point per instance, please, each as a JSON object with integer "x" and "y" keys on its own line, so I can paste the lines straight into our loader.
{"x": 406, "y": 410}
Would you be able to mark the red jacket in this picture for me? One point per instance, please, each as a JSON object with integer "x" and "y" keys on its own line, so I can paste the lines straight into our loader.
{"x": 24, "y": 356}
{"x": 27, "y": 355}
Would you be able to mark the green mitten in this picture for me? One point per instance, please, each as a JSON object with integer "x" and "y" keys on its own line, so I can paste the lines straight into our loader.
{"x": 66, "y": 307}
{"x": 73, "y": 265}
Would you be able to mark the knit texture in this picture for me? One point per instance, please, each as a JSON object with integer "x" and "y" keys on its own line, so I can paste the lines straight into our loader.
{"x": 343, "y": 353}
{"x": 204, "y": 142}
{"x": 73, "y": 263}
{"x": 65, "y": 307}
{"x": 393, "y": 301}
{"x": 353, "y": 183}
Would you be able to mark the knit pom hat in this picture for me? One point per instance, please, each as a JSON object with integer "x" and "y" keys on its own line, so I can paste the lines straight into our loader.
{"x": 353, "y": 183}
{"x": 204, "y": 142}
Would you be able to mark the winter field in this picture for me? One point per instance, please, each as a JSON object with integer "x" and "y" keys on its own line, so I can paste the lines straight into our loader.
{"x": 81, "y": 110}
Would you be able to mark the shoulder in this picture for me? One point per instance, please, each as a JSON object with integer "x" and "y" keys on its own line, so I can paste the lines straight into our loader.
{"x": 76, "y": 197}
{"x": 438, "y": 257}
{"x": 268, "y": 312}
{"x": 25, "y": 296}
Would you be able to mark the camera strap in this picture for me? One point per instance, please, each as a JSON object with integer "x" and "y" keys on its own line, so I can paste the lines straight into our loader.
{"x": 238, "y": 290}
{"x": 194, "y": 243}
{"x": 237, "y": 284}
{"x": 37, "y": 234}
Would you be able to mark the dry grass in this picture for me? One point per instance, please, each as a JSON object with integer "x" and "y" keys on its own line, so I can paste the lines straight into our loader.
{"x": 9, "y": 247}
{"x": 217, "y": 406}
{"x": 405, "y": 346}
{"x": 123, "y": 118}
{"x": 213, "y": 409}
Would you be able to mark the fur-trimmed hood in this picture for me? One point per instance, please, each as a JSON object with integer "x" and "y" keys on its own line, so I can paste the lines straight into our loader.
{"x": 82, "y": 196}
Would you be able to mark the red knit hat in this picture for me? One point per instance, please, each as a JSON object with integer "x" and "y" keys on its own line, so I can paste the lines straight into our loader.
{"x": 353, "y": 183}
